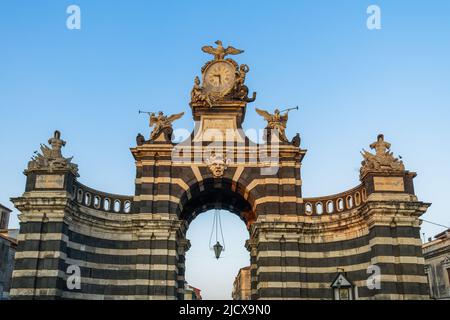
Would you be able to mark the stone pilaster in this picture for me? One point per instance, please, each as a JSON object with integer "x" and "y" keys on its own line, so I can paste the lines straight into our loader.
{"x": 39, "y": 260}
{"x": 160, "y": 258}
{"x": 275, "y": 251}
{"x": 183, "y": 246}
{"x": 394, "y": 233}
{"x": 251, "y": 246}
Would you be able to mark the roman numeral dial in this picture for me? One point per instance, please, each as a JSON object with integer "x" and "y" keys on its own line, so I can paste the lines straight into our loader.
{"x": 219, "y": 77}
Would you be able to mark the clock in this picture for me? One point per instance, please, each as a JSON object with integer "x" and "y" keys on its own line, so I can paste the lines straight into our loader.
{"x": 219, "y": 78}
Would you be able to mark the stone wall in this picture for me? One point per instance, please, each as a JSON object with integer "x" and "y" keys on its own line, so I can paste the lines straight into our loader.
{"x": 437, "y": 265}
{"x": 242, "y": 289}
{"x": 140, "y": 253}
{"x": 7, "y": 251}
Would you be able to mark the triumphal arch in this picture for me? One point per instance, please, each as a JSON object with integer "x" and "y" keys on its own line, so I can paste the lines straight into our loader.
{"x": 363, "y": 243}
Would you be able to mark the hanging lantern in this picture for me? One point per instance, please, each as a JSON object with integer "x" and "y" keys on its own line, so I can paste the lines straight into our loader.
{"x": 216, "y": 228}
{"x": 218, "y": 250}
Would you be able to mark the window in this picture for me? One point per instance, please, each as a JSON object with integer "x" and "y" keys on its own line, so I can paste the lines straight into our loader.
{"x": 340, "y": 205}
{"x": 344, "y": 294}
{"x": 106, "y": 204}
{"x": 308, "y": 209}
{"x": 319, "y": 208}
{"x": 330, "y": 207}
{"x": 2, "y": 220}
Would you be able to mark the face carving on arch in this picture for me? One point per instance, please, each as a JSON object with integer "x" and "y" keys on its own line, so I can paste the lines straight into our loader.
{"x": 217, "y": 164}
{"x": 217, "y": 169}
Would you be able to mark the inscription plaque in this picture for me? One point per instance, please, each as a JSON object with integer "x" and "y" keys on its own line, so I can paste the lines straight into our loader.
{"x": 50, "y": 181}
{"x": 389, "y": 184}
{"x": 219, "y": 124}
{"x": 218, "y": 129}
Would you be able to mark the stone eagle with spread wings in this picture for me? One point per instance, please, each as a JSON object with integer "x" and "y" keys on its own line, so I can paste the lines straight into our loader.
{"x": 220, "y": 52}
{"x": 275, "y": 121}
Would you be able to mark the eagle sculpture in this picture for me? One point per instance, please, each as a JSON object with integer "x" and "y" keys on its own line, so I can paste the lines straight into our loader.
{"x": 220, "y": 52}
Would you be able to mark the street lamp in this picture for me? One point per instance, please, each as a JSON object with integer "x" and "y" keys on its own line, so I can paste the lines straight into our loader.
{"x": 218, "y": 249}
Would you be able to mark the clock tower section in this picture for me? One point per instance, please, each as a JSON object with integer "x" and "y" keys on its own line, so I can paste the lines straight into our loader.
{"x": 219, "y": 102}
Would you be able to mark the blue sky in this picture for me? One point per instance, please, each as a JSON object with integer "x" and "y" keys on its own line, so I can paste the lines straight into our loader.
{"x": 351, "y": 84}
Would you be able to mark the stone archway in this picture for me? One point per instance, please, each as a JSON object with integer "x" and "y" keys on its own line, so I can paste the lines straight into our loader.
{"x": 216, "y": 194}
{"x": 209, "y": 194}
{"x": 133, "y": 247}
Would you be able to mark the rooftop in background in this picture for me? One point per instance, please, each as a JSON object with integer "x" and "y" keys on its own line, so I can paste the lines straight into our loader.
{"x": 439, "y": 238}
{"x": 442, "y": 235}
{"x": 5, "y": 208}
{"x": 437, "y": 265}
{"x": 195, "y": 292}
{"x": 10, "y": 235}
{"x": 4, "y": 217}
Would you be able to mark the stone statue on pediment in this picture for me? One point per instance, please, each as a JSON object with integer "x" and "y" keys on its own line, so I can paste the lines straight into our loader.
{"x": 162, "y": 124}
{"x": 51, "y": 158}
{"x": 275, "y": 121}
{"x": 382, "y": 161}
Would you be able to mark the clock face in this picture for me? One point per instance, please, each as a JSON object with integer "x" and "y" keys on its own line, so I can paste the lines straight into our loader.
{"x": 219, "y": 77}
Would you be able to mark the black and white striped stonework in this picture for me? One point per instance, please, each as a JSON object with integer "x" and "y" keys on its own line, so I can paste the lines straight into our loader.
{"x": 286, "y": 269}
{"x": 134, "y": 247}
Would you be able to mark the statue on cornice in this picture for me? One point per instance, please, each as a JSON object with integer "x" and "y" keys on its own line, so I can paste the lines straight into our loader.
{"x": 275, "y": 121}
{"x": 51, "y": 158}
{"x": 162, "y": 124}
{"x": 198, "y": 95}
{"x": 220, "y": 52}
{"x": 223, "y": 80}
{"x": 382, "y": 161}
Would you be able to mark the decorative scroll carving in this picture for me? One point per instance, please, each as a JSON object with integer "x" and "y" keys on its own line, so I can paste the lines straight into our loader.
{"x": 162, "y": 125}
{"x": 217, "y": 163}
{"x": 51, "y": 158}
{"x": 275, "y": 121}
{"x": 382, "y": 161}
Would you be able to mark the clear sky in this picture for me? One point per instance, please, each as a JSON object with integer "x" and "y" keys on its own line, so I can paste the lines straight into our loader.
{"x": 351, "y": 83}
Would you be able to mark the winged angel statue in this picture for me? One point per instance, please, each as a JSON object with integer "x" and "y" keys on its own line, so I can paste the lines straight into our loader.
{"x": 275, "y": 121}
{"x": 162, "y": 124}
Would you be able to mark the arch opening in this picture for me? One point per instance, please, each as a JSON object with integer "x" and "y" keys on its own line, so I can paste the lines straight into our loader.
{"x": 219, "y": 194}
{"x": 216, "y": 277}
{"x": 197, "y": 208}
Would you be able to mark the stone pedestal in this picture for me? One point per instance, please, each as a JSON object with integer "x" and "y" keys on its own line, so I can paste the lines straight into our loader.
{"x": 40, "y": 258}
